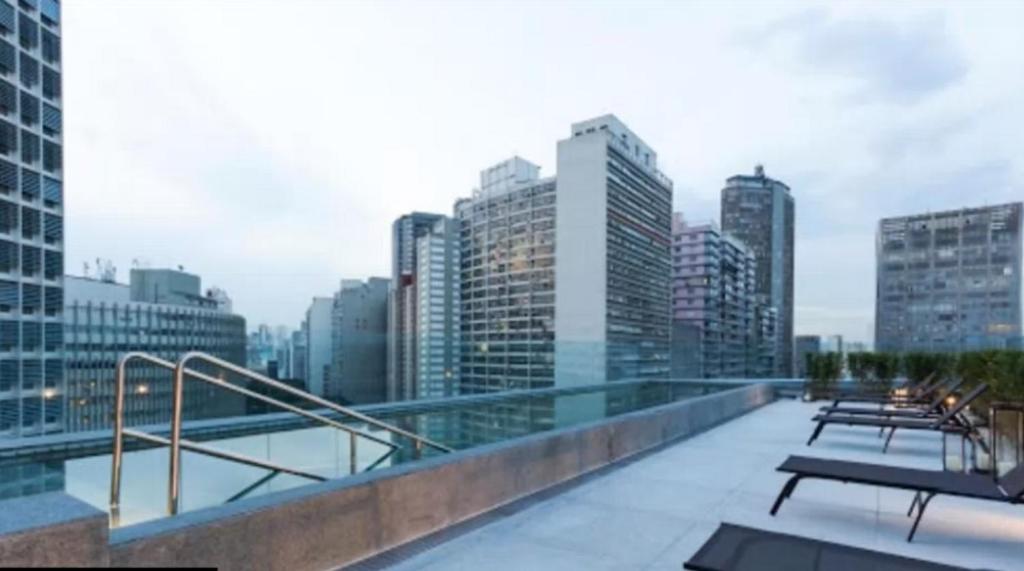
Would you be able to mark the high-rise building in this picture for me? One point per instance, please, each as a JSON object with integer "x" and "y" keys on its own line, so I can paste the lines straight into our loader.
{"x": 318, "y": 328}
{"x": 614, "y": 232}
{"x": 766, "y": 338}
{"x": 32, "y": 385}
{"x": 803, "y": 346}
{"x": 402, "y": 298}
{"x": 358, "y": 342}
{"x": 438, "y": 323}
{"x": 507, "y": 256}
{"x": 760, "y": 211}
{"x": 713, "y": 303}
{"x": 949, "y": 281}
{"x": 297, "y": 367}
{"x": 103, "y": 319}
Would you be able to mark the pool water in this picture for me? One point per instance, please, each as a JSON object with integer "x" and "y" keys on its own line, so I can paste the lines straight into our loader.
{"x": 324, "y": 451}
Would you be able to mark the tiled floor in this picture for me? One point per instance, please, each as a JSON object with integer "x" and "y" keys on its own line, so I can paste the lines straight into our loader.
{"x": 655, "y": 512}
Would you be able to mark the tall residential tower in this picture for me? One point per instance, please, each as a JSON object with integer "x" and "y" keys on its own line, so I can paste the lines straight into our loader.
{"x": 32, "y": 382}
{"x": 614, "y": 233}
{"x": 507, "y": 252}
{"x": 761, "y": 212}
{"x": 402, "y": 298}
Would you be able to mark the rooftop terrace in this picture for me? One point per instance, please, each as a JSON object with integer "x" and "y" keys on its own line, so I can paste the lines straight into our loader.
{"x": 654, "y": 512}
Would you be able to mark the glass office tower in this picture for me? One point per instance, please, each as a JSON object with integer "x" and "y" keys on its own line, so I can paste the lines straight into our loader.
{"x": 32, "y": 391}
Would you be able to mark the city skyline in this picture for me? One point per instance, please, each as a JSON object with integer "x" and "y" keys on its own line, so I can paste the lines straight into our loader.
{"x": 291, "y": 180}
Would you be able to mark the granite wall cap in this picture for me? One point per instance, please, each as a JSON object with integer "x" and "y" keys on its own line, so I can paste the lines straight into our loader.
{"x": 43, "y": 510}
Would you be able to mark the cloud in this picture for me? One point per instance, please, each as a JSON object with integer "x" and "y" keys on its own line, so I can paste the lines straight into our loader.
{"x": 900, "y": 62}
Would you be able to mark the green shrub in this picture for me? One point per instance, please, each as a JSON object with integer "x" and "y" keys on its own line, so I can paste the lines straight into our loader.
{"x": 823, "y": 372}
{"x": 918, "y": 366}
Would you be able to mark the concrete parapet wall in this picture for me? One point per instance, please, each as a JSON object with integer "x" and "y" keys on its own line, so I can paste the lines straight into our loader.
{"x": 341, "y": 522}
{"x": 335, "y": 523}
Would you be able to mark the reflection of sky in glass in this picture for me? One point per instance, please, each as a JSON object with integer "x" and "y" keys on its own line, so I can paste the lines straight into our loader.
{"x": 323, "y": 451}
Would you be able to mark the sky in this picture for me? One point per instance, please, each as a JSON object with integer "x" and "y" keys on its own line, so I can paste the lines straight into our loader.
{"x": 268, "y": 145}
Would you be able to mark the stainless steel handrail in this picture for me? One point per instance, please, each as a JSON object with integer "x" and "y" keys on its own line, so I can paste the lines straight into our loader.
{"x": 174, "y": 484}
{"x": 119, "y": 430}
{"x": 180, "y": 372}
{"x": 224, "y": 455}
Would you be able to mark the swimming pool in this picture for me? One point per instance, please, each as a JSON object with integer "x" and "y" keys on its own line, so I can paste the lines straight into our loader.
{"x": 324, "y": 451}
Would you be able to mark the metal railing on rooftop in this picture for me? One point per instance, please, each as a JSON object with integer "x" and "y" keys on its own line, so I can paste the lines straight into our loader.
{"x": 176, "y": 443}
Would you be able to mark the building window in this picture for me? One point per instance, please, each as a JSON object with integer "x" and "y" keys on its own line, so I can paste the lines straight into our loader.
{"x": 53, "y": 192}
{"x": 8, "y": 256}
{"x": 51, "y": 48}
{"x": 8, "y": 138}
{"x": 30, "y": 223}
{"x": 9, "y": 298}
{"x": 29, "y": 109}
{"x": 29, "y": 71}
{"x": 51, "y": 84}
{"x": 52, "y": 157}
{"x": 30, "y": 181}
{"x": 31, "y": 261}
{"x": 31, "y": 298}
{"x": 30, "y": 152}
{"x": 7, "y": 58}
{"x": 52, "y": 120}
{"x": 8, "y": 98}
{"x": 28, "y": 33}
{"x": 6, "y": 19}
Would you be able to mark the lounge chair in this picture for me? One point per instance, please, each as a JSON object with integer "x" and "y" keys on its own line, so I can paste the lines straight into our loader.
{"x": 933, "y": 408}
{"x": 916, "y": 394}
{"x": 951, "y": 421}
{"x": 738, "y": 548}
{"x": 926, "y": 483}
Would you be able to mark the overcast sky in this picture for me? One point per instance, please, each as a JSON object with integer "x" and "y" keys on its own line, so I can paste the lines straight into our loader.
{"x": 268, "y": 145}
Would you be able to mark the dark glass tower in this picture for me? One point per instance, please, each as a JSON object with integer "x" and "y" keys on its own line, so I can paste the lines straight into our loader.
{"x": 760, "y": 212}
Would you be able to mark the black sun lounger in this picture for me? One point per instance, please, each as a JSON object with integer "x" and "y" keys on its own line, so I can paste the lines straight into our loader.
{"x": 906, "y": 411}
{"x": 916, "y": 394}
{"x": 951, "y": 420}
{"x": 738, "y": 548}
{"x": 927, "y": 483}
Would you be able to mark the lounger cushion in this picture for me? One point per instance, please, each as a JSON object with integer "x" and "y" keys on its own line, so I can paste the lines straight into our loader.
{"x": 953, "y": 483}
{"x": 878, "y": 421}
{"x": 737, "y": 548}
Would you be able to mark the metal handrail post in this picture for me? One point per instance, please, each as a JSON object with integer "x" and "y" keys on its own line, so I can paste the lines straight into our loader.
{"x": 118, "y": 453}
{"x": 174, "y": 485}
{"x": 352, "y": 462}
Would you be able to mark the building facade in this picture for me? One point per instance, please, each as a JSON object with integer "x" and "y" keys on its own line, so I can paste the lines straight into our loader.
{"x": 804, "y": 346}
{"x": 614, "y": 232}
{"x": 32, "y": 385}
{"x": 507, "y": 279}
{"x": 104, "y": 319}
{"x": 761, "y": 212}
{"x": 712, "y": 302}
{"x": 438, "y": 323}
{"x": 402, "y": 299}
{"x": 949, "y": 281}
{"x": 297, "y": 364}
{"x": 317, "y": 328}
{"x": 358, "y": 342}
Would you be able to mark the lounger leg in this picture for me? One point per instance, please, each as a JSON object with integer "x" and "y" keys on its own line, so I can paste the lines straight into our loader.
{"x": 881, "y": 432}
{"x": 913, "y": 504}
{"x": 920, "y": 514}
{"x": 787, "y": 491}
{"x": 888, "y": 440}
{"x": 816, "y": 433}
